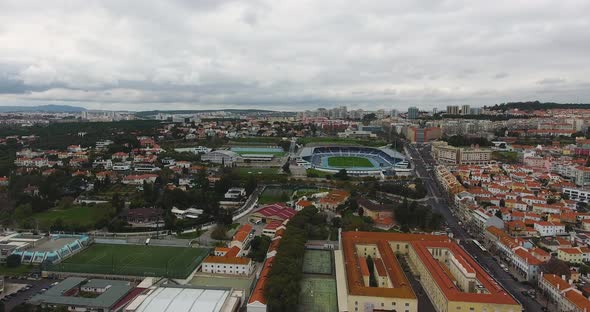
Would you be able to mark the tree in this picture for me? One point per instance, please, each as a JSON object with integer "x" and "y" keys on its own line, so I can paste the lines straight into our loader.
{"x": 13, "y": 261}
{"x": 251, "y": 184}
{"x": 370, "y": 265}
{"x": 341, "y": 175}
{"x": 498, "y": 214}
{"x": 259, "y": 247}
{"x": 557, "y": 267}
{"x": 286, "y": 168}
{"x": 219, "y": 232}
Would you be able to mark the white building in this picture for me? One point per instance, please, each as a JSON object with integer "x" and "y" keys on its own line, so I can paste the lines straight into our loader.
{"x": 227, "y": 265}
{"x": 546, "y": 228}
{"x": 194, "y": 150}
{"x": 227, "y": 158}
{"x": 190, "y": 213}
{"x": 235, "y": 193}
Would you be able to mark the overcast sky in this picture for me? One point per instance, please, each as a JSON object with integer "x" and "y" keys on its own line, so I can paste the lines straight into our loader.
{"x": 292, "y": 55}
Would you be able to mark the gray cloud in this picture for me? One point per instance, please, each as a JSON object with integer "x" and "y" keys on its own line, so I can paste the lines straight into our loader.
{"x": 292, "y": 54}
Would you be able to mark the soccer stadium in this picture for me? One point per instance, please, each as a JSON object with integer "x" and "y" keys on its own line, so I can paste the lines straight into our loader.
{"x": 357, "y": 160}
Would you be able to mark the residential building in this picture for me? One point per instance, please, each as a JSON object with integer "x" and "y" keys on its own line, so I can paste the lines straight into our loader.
{"x": 413, "y": 113}
{"x": 451, "y": 155}
{"x": 453, "y": 110}
{"x": 465, "y": 110}
{"x": 227, "y": 265}
{"x": 546, "y": 228}
{"x": 423, "y": 135}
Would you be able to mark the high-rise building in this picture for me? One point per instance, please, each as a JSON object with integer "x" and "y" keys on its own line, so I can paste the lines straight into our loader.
{"x": 434, "y": 111}
{"x": 413, "y": 112}
{"x": 393, "y": 113}
{"x": 476, "y": 111}
{"x": 453, "y": 110}
{"x": 465, "y": 110}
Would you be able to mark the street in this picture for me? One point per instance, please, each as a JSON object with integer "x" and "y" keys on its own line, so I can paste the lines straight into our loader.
{"x": 422, "y": 159}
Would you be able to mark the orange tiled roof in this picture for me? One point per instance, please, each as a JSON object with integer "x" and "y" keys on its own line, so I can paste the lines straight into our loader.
{"x": 227, "y": 260}
{"x": 258, "y": 292}
{"x": 578, "y": 300}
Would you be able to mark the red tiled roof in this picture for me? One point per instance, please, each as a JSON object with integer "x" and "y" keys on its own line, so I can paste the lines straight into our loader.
{"x": 364, "y": 266}
{"x": 525, "y": 255}
{"x": 278, "y": 211}
{"x": 578, "y": 300}
{"x": 258, "y": 292}
{"x": 556, "y": 281}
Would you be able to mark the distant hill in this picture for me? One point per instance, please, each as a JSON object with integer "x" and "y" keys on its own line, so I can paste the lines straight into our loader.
{"x": 534, "y": 105}
{"x": 42, "y": 108}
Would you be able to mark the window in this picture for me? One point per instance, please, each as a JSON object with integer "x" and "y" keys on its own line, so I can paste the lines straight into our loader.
{"x": 407, "y": 304}
{"x": 382, "y": 304}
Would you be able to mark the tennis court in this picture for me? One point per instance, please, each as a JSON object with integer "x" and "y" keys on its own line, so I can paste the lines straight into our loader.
{"x": 317, "y": 262}
{"x": 318, "y": 294}
{"x": 134, "y": 260}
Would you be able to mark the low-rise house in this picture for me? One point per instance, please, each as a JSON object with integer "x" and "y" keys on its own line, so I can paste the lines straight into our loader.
{"x": 139, "y": 179}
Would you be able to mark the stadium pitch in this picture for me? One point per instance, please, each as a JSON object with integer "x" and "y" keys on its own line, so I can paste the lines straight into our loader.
{"x": 349, "y": 162}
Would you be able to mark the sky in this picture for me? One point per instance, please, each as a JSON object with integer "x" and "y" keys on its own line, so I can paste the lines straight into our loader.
{"x": 292, "y": 54}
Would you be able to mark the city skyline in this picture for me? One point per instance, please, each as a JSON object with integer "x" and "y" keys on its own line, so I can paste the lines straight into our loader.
{"x": 303, "y": 55}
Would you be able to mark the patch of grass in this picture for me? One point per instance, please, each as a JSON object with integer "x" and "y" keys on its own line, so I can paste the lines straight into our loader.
{"x": 76, "y": 215}
{"x": 19, "y": 270}
{"x": 257, "y": 171}
{"x": 349, "y": 162}
{"x": 314, "y": 173}
{"x": 275, "y": 195}
{"x": 505, "y": 157}
{"x": 191, "y": 235}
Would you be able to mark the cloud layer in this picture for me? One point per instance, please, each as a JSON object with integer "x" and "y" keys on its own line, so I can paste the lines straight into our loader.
{"x": 292, "y": 55}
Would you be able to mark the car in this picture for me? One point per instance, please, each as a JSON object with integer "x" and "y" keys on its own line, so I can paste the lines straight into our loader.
{"x": 506, "y": 270}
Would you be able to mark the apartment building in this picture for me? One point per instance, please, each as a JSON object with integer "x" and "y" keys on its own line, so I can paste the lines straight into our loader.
{"x": 451, "y": 155}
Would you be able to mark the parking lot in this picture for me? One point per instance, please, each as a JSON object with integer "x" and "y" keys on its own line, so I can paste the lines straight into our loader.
{"x": 18, "y": 291}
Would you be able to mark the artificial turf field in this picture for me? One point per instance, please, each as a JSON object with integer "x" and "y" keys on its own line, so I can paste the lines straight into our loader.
{"x": 317, "y": 262}
{"x": 134, "y": 260}
{"x": 318, "y": 294}
{"x": 349, "y": 162}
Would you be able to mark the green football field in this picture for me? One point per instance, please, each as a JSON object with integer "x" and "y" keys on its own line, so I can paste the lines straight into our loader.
{"x": 134, "y": 260}
{"x": 349, "y": 162}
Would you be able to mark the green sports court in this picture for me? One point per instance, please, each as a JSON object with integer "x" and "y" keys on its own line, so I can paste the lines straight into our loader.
{"x": 134, "y": 260}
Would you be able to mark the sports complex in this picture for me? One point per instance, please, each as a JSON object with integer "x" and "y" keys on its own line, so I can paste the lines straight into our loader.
{"x": 357, "y": 160}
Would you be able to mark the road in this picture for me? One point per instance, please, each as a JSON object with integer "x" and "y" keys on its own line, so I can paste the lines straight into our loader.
{"x": 422, "y": 160}
{"x": 206, "y": 240}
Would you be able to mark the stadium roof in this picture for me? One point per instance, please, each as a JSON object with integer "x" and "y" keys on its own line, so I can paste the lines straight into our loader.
{"x": 172, "y": 299}
{"x": 308, "y": 151}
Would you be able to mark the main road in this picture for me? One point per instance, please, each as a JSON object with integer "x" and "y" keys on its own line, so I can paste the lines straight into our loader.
{"x": 422, "y": 161}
